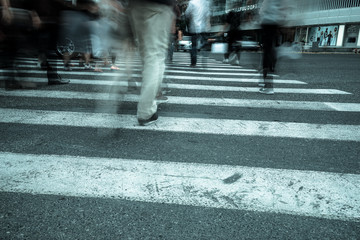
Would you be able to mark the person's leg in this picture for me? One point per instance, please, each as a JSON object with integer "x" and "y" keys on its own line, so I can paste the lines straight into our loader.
{"x": 152, "y": 24}
{"x": 269, "y": 38}
{"x": 194, "y": 50}
{"x": 229, "y": 49}
{"x": 269, "y": 57}
{"x": 9, "y": 50}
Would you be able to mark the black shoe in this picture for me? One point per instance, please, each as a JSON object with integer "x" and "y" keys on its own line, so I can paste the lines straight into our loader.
{"x": 149, "y": 121}
{"x": 58, "y": 81}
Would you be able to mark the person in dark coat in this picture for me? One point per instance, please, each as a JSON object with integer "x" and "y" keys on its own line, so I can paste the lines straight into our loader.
{"x": 21, "y": 19}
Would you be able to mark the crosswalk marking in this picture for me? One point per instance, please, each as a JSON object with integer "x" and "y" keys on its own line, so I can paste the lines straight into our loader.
{"x": 138, "y": 64}
{"x": 185, "y": 125}
{"x": 224, "y": 102}
{"x": 138, "y": 76}
{"x": 304, "y": 193}
{"x": 168, "y": 71}
{"x": 205, "y": 87}
{"x": 334, "y": 196}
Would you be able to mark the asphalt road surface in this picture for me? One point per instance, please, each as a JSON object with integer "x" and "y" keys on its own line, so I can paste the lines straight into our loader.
{"x": 222, "y": 162}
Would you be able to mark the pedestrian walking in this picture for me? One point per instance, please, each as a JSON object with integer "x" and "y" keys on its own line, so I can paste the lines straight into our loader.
{"x": 174, "y": 33}
{"x": 198, "y": 17}
{"x": 47, "y": 35}
{"x": 77, "y": 23}
{"x": 272, "y": 16}
{"x": 232, "y": 27}
{"x": 37, "y": 22}
{"x": 151, "y": 21}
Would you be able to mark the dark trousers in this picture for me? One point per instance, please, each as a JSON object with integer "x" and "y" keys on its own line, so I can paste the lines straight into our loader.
{"x": 232, "y": 37}
{"x": 195, "y": 39}
{"x": 47, "y": 38}
{"x": 269, "y": 37}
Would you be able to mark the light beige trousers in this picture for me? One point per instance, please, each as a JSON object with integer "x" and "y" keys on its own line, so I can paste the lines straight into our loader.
{"x": 151, "y": 24}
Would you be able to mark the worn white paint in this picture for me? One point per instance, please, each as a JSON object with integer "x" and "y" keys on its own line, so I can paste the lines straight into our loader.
{"x": 255, "y": 80}
{"x": 331, "y": 132}
{"x": 202, "y": 87}
{"x": 111, "y": 74}
{"x": 223, "y": 102}
{"x": 304, "y": 193}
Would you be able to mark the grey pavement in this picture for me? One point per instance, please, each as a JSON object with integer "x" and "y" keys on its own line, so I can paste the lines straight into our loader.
{"x": 29, "y": 214}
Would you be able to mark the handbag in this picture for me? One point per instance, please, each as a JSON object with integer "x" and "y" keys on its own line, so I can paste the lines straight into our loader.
{"x": 219, "y": 47}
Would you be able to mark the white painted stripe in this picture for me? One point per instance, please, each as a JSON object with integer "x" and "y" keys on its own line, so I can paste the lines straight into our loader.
{"x": 218, "y": 67}
{"x": 167, "y": 71}
{"x": 172, "y": 77}
{"x": 304, "y": 193}
{"x": 224, "y": 102}
{"x": 213, "y": 66}
{"x": 203, "y": 87}
{"x": 181, "y": 60}
{"x": 187, "y": 125}
{"x": 254, "y": 89}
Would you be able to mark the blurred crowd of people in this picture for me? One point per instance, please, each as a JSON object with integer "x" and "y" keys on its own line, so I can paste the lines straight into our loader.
{"x": 107, "y": 28}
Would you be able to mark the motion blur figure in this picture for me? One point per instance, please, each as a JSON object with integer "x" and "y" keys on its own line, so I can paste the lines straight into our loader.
{"x": 76, "y": 24}
{"x": 151, "y": 21}
{"x": 48, "y": 34}
{"x": 17, "y": 23}
{"x": 272, "y": 16}
{"x": 198, "y": 15}
{"x": 232, "y": 25}
{"x": 24, "y": 22}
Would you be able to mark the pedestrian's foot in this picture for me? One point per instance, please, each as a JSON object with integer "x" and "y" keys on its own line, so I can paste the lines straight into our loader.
{"x": 151, "y": 120}
{"x": 226, "y": 60}
{"x": 193, "y": 65}
{"x": 161, "y": 99}
{"x": 88, "y": 67}
{"x": 268, "y": 91}
{"x": 114, "y": 68}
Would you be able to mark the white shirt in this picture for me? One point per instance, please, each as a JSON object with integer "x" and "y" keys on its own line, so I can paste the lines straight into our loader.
{"x": 198, "y": 11}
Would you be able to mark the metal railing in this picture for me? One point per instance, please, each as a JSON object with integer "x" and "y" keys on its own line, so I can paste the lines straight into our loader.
{"x": 323, "y": 5}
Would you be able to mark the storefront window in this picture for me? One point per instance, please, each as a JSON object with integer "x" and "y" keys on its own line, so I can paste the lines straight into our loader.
{"x": 351, "y": 35}
{"x": 323, "y": 35}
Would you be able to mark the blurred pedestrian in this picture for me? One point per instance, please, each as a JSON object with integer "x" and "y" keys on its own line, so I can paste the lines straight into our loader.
{"x": 47, "y": 35}
{"x": 22, "y": 20}
{"x": 272, "y": 17}
{"x": 232, "y": 27}
{"x": 76, "y": 24}
{"x": 17, "y": 22}
{"x": 151, "y": 21}
{"x": 198, "y": 17}
{"x": 174, "y": 33}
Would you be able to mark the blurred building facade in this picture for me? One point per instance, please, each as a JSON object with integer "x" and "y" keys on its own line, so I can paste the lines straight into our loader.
{"x": 316, "y": 23}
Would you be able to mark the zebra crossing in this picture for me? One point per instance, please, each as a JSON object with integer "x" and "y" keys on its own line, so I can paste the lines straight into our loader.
{"x": 285, "y": 191}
